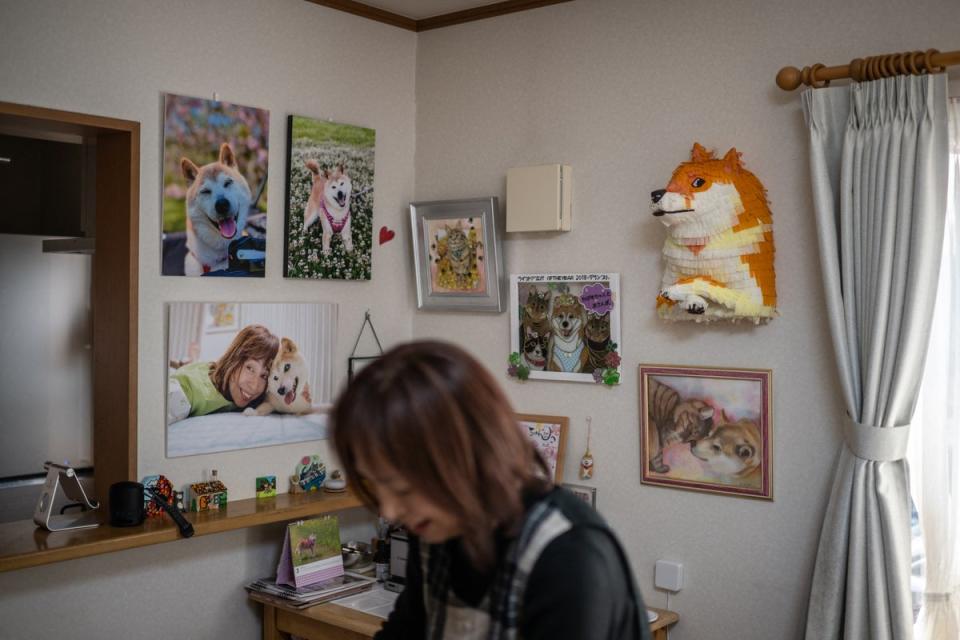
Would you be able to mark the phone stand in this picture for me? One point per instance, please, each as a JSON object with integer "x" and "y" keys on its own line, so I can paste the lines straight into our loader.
{"x": 59, "y": 475}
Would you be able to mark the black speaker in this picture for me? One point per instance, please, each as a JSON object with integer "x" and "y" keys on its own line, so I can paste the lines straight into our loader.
{"x": 126, "y": 504}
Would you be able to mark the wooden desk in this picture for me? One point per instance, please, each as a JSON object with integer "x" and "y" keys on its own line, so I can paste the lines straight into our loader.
{"x": 664, "y": 621}
{"x": 330, "y": 621}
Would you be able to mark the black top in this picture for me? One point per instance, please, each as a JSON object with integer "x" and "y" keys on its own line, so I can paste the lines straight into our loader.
{"x": 580, "y": 587}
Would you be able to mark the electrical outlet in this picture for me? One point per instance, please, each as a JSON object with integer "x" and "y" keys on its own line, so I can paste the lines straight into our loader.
{"x": 668, "y": 575}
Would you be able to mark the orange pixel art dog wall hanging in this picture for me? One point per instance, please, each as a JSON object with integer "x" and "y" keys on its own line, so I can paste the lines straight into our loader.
{"x": 718, "y": 255}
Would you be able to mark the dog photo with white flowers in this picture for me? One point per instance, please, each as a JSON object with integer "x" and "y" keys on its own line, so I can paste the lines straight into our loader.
{"x": 329, "y": 213}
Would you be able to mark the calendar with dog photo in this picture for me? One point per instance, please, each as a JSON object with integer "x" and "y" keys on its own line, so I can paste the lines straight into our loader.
{"x": 329, "y": 207}
{"x": 214, "y": 188}
{"x": 265, "y": 381}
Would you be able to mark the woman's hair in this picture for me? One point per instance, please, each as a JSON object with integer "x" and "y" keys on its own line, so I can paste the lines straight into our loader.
{"x": 437, "y": 416}
{"x": 253, "y": 342}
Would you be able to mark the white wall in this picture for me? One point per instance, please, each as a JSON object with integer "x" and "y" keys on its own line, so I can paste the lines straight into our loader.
{"x": 116, "y": 58}
{"x": 620, "y": 89}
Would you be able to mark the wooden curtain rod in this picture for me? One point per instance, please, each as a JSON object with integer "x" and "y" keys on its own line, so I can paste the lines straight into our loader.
{"x": 872, "y": 68}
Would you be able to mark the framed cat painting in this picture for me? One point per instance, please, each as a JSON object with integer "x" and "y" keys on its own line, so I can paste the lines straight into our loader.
{"x": 707, "y": 429}
{"x": 457, "y": 255}
{"x": 566, "y": 326}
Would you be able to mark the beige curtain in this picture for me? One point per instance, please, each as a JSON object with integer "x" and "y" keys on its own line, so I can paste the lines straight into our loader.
{"x": 934, "y": 451}
{"x": 878, "y": 157}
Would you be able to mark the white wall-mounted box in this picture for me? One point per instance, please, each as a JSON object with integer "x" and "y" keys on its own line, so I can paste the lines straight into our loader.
{"x": 539, "y": 198}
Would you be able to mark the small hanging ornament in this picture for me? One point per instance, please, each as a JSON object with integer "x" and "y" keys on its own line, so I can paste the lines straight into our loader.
{"x": 355, "y": 362}
{"x": 586, "y": 462}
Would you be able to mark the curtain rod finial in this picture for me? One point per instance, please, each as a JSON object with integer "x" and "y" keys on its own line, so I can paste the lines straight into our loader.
{"x": 788, "y": 78}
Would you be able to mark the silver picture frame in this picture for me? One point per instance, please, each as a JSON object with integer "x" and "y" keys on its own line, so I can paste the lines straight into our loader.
{"x": 472, "y": 280}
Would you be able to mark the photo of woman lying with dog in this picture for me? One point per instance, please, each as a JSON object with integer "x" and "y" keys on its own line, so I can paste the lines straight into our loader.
{"x": 266, "y": 382}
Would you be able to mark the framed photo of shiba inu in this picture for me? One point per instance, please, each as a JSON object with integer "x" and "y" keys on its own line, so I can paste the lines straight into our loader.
{"x": 214, "y": 188}
{"x": 458, "y": 259}
{"x": 707, "y": 429}
{"x": 329, "y": 212}
{"x": 566, "y": 326}
{"x": 549, "y": 435}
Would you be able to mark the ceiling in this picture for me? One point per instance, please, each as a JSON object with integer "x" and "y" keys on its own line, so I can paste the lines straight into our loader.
{"x": 419, "y": 9}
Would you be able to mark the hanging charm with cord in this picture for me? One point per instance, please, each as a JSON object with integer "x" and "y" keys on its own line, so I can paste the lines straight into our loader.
{"x": 354, "y": 362}
{"x": 586, "y": 462}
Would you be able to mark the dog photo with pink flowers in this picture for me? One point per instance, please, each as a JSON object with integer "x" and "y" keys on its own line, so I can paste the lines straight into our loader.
{"x": 214, "y": 188}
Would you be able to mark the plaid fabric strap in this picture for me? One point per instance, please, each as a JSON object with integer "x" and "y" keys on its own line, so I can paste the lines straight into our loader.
{"x": 543, "y": 524}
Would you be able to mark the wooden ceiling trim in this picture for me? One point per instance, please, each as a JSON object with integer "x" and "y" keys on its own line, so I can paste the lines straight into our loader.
{"x": 435, "y": 22}
{"x": 371, "y": 13}
{"x": 482, "y": 13}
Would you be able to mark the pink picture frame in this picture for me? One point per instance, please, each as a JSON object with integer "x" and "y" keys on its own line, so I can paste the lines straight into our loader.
{"x": 707, "y": 429}
{"x": 549, "y": 435}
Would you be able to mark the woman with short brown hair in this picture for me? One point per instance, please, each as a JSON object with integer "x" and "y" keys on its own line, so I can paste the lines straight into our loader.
{"x": 496, "y": 552}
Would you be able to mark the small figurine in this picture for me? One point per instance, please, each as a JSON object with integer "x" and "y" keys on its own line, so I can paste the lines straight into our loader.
{"x": 586, "y": 462}
{"x": 335, "y": 483}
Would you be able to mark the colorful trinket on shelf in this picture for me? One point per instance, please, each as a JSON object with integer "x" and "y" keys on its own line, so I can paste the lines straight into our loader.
{"x": 310, "y": 473}
{"x": 266, "y": 486}
{"x": 160, "y": 485}
{"x": 207, "y": 496}
{"x": 586, "y": 462}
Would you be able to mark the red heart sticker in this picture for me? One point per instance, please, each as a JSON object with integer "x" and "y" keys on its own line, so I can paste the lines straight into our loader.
{"x": 386, "y": 235}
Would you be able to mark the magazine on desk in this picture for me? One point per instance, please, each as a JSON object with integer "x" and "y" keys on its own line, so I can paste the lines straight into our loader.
{"x": 347, "y": 584}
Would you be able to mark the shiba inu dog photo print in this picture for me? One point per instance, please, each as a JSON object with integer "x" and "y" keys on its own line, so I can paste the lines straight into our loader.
{"x": 707, "y": 429}
{"x": 244, "y": 374}
{"x": 214, "y": 188}
{"x": 329, "y": 208}
{"x": 718, "y": 255}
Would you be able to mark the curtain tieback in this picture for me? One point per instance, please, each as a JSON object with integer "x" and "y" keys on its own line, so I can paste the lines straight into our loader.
{"x": 869, "y": 442}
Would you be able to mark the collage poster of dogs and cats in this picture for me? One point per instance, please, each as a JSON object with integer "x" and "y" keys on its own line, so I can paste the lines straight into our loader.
{"x": 329, "y": 221}
{"x": 563, "y": 325}
{"x": 706, "y": 429}
{"x": 214, "y": 188}
{"x": 244, "y": 375}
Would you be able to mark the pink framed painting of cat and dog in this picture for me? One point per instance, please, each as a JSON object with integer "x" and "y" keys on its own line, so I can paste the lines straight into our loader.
{"x": 566, "y": 326}
{"x": 707, "y": 429}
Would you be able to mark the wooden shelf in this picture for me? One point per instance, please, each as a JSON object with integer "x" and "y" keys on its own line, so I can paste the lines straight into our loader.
{"x": 24, "y": 544}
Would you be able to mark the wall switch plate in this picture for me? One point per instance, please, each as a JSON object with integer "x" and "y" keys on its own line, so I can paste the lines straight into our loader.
{"x": 668, "y": 575}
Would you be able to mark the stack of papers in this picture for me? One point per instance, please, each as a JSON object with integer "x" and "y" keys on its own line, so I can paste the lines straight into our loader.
{"x": 307, "y": 596}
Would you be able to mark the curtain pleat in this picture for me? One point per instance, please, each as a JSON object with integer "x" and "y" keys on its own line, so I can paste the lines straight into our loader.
{"x": 186, "y": 321}
{"x": 878, "y": 156}
{"x": 935, "y": 447}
